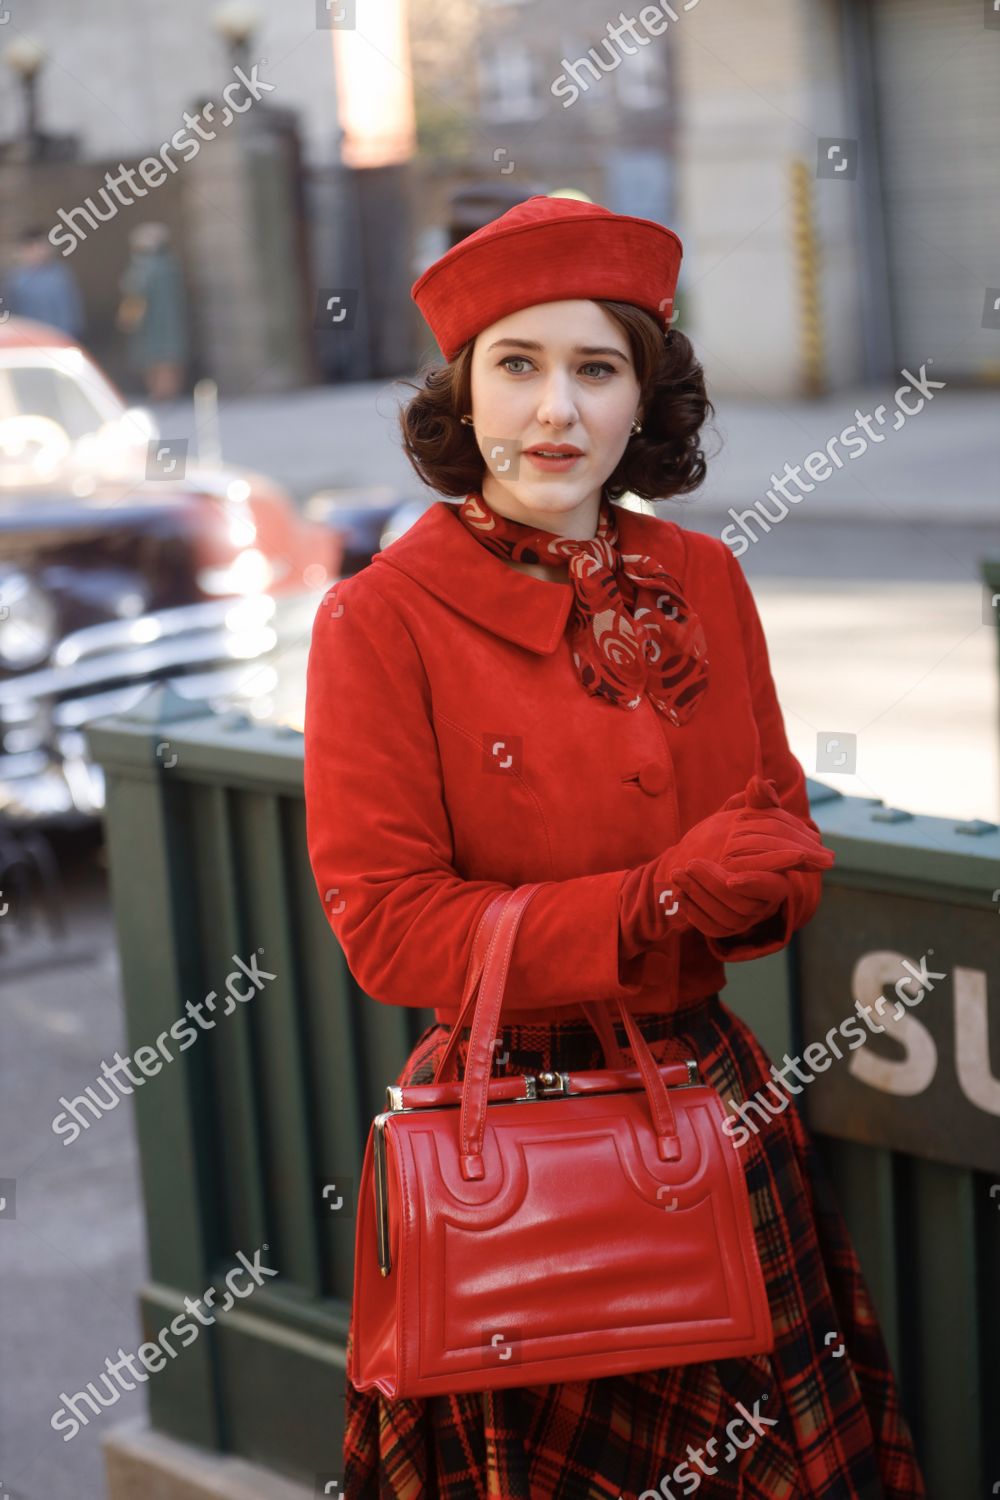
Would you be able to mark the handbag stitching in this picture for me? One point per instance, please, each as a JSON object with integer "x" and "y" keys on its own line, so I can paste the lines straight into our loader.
{"x": 753, "y": 1285}
{"x": 742, "y": 1206}
{"x": 515, "y": 904}
{"x": 465, "y": 987}
{"x": 478, "y": 1011}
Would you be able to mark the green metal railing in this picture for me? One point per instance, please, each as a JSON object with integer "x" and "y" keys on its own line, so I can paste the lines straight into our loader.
{"x": 989, "y": 568}
{"x": 253, "y": 1134}
{"x": 917, "y": 1174}
{"x": 240, "y": 1134}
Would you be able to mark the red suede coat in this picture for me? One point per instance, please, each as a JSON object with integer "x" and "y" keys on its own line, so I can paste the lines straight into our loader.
{"x": 451, "y": 752}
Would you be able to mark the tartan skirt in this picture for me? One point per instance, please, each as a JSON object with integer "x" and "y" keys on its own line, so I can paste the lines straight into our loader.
{"x": 825, "y": 1424}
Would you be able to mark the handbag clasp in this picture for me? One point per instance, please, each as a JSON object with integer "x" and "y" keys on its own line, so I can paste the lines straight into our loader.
{"x": 545, "y": 1085}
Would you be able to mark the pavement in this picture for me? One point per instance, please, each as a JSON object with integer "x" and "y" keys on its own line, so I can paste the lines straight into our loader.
{"x": 72, "y": 1234}
{"x": 869, "y": 586}
{"x": 939, "y": 466}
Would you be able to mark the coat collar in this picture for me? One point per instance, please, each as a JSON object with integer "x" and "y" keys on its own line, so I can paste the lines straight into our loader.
{"x": 439, "y": 553}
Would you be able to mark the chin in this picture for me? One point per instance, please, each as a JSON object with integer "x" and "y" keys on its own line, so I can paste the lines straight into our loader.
{"x": 549, "y": 493}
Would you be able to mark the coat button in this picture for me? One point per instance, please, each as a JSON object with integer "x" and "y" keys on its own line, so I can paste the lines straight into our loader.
{"x": 653, "y": 777}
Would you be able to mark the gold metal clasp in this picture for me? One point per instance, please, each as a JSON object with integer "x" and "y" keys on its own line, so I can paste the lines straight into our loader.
{"x": 545, "y": 1085}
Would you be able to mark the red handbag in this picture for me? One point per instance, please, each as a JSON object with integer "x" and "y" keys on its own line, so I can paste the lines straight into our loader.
{"x": 559, "y": 1226}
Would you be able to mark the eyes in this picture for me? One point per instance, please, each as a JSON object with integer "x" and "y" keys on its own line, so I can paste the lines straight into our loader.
{"x": 593, "y": 364}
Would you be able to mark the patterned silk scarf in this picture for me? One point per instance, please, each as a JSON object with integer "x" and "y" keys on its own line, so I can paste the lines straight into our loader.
{"x": 619, "y": 651}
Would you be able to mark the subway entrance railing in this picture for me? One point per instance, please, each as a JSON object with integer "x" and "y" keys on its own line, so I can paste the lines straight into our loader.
{"x": 254, "y": 1134}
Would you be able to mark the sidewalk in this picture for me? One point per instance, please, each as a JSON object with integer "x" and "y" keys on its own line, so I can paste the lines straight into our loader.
{"x": 869, "y": 591}
{"x": 941, "y": 465}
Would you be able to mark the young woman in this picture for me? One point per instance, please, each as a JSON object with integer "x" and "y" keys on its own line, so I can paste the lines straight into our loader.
{"x": 536, "y": 684}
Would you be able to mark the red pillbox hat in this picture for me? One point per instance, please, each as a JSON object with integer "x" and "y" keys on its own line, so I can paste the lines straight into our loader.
{"x": 546, "y": 250}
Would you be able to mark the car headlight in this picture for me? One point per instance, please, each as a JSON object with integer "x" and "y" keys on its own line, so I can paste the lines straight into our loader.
{"x": 249, "y": 572}
{"x": 27, "y": 622}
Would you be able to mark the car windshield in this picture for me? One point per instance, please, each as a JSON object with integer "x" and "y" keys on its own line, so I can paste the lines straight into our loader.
{"x": 62, "y": 423}
{"x": 42, "y": 391}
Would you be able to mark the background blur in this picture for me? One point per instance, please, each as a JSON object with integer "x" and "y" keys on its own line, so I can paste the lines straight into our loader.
{"x": 210, "y": 220}
{"x": 825, "y": 165}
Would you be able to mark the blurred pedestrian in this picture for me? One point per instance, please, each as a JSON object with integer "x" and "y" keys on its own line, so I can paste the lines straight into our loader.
{"x": 42, "y": 286}
{"x": 153, "y": 311}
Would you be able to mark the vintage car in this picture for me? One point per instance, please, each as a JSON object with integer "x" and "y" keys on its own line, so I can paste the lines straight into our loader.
{"x": 123, "y": 561}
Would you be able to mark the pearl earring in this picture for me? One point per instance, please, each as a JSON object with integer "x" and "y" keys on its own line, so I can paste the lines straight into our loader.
{"x": 467, "y": 420}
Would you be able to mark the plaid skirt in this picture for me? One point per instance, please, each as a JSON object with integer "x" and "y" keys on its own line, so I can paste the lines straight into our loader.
{"x": 822, "y": 1426}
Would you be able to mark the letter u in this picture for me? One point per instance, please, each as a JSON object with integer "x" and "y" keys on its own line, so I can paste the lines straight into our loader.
{"x": 110, "y": 1386}
{"x": 113, "y": 1100}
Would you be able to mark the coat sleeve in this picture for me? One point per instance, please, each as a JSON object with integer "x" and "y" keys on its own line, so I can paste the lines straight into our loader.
{"x": 379, "y": 836}
{"x": 777, "y": 763}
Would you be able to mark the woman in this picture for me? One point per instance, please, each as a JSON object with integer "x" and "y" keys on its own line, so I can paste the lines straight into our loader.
{"x": 538, "y": 685}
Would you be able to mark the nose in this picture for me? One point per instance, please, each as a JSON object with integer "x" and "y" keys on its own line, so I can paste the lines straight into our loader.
{"x": 556, "y": 407}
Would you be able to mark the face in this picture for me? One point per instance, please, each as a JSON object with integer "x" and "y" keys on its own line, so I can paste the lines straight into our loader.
{"x": 559, "y": 374}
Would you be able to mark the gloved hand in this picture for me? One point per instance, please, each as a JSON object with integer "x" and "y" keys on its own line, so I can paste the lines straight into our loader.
{"x": 727, "y": 902}
{"x": 722, "y": 905}
{"x": 750, "y": 833}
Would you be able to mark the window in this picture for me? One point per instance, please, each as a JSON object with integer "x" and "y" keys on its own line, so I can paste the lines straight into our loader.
{"x": 641, "y": 80}
{"x": 509, "y": 81}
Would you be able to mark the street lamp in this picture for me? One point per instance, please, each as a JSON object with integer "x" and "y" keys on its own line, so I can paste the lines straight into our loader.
{"x": 236, "y": 23}
{"x": 24, "y": 56}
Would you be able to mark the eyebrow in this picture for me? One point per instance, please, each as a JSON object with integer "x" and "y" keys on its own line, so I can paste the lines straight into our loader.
{"x": 577, "y": 349}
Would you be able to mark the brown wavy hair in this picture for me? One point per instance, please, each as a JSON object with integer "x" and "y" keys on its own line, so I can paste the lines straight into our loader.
{"x": 663, "y": 461}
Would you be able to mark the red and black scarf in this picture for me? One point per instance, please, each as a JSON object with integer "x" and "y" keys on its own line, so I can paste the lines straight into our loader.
{"x": 619, "y": 651}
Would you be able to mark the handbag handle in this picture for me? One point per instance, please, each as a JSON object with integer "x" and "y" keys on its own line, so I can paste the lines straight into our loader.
{"x": 595, "y": 1011}
{"x": 448, "y": 1062}
{"x": 501, "y": 922}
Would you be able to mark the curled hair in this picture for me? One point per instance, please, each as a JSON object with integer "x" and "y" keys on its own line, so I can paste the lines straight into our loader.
{"x": 662, "y": 461}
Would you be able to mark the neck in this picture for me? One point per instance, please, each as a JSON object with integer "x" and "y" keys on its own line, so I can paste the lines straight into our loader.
{"x": 578, "y": 523}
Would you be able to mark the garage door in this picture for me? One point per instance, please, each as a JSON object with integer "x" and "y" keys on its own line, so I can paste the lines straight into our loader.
{"x": 937, "y": 86}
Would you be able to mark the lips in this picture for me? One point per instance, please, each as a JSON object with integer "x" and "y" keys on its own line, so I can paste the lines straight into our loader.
{"x": 557, "y": 462}
{"x": 561, "y": 450}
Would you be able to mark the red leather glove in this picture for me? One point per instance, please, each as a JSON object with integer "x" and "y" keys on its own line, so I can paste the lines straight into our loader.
{"x": 722, "y": 905}
{"x": 750, "y": 833}
{"x": 802, "y": 895}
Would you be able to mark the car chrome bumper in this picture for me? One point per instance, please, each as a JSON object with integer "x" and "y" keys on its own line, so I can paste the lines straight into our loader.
{"x": 215, "y": 652}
